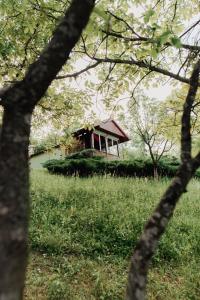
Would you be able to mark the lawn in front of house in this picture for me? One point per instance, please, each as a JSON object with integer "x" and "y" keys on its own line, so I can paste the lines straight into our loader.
{"x": 83, "y": 231}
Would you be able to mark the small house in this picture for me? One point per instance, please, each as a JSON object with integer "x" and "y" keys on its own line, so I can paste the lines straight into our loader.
{"x": 104, "y": 138}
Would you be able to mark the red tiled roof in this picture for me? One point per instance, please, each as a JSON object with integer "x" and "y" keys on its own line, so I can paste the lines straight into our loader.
{"x": 111, "y": 126}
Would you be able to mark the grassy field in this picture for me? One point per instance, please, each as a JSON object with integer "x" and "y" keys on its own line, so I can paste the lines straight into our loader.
{"x": 83, "y": 231}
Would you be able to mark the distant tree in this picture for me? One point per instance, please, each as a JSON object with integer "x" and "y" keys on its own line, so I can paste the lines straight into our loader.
{"x": 172, "y": 109}
{"x": 147, "y": 119}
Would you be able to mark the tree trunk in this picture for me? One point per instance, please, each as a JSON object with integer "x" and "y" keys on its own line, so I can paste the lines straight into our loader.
{"x": 155, "y": 171}
{"x": 157, "y": 224}
{"x": 18, "y": 101}
{"x": 14, "y": 202}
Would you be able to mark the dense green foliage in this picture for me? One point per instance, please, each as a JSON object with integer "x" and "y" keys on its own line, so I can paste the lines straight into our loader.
{"x": 86, "y": 153}
{"x": 127, "y": 168}
{"x": 83, "y": 231}
{"x": 38, "y": 149}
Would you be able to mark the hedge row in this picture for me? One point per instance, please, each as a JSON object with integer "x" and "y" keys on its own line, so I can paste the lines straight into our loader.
{"x": 91, "y": 166}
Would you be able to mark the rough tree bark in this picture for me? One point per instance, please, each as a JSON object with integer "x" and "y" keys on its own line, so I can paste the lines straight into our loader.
{"x": 18, "y": 102}
{"x": 155, "y": 227}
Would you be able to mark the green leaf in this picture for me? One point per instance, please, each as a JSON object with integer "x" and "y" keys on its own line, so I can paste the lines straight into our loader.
{"x": 148, "y": 15}
{"x": 164, "y": 37}
{"x": 175, "y": 41}
{"x": 26, "y": 30}
{"x": 155, "y": 26}
{"x": 154, "y": 53}
{"x": 101, "y": 13}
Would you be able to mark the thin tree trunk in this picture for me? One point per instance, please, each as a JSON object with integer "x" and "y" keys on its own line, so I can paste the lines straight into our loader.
{"x": 153, "y": 230}
{"x": 13, "y": 202}
{"x": 157, "y": 224}
{"x": 155, "y": 171}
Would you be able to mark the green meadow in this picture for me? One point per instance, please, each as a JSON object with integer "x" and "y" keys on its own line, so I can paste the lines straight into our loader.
{"x": 83, "y": 231}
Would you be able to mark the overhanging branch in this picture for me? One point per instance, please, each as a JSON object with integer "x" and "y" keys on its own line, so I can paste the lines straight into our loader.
{"x": 76, "y": 74}
{"x": 152, "y": 41}
{"x": 143, "y": 65}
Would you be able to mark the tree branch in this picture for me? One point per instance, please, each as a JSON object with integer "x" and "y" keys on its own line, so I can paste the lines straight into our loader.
{"x": 155, "y": 227}
{"x": 186, "y": 124}
{"x": 175, "y": 10}
{"x": 152, "y": 41}
{"x": 157, "y": 224}
{"x": 79, "y": 72}
{"x": 144, "y": 65}
{"x": 165, "y": 149}
{"x": 125, "y": 22}
{"x": 189, "y": 29}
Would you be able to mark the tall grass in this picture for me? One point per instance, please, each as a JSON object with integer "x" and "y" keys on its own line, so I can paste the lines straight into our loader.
{"x": 86, "y": 229}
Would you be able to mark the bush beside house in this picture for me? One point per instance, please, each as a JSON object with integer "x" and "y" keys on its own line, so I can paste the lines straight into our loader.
{"x": 85, "y": 164}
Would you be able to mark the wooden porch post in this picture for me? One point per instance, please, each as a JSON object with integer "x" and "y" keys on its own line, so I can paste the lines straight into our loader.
{"x": 92, "y": 140}
{"x": 106, "y": 139}
{"x": 117, "y": 149}
{"x": 99, "y": 142}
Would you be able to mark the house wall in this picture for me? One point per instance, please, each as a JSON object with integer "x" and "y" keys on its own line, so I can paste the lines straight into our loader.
{"x": 37, "y": 161}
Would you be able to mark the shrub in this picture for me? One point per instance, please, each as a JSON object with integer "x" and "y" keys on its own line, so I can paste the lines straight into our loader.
{"x": 85, "y": 167}
{"x": 86, "y": 153}
{"x": 38, "y": 149}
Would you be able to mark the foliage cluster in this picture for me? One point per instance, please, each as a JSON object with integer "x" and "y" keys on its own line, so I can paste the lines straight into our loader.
{"x": 67, "y": 143}
{"x": 86, "y": 153}
{"x": 38, "y": 149}
{"x": 80, "y": 237}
